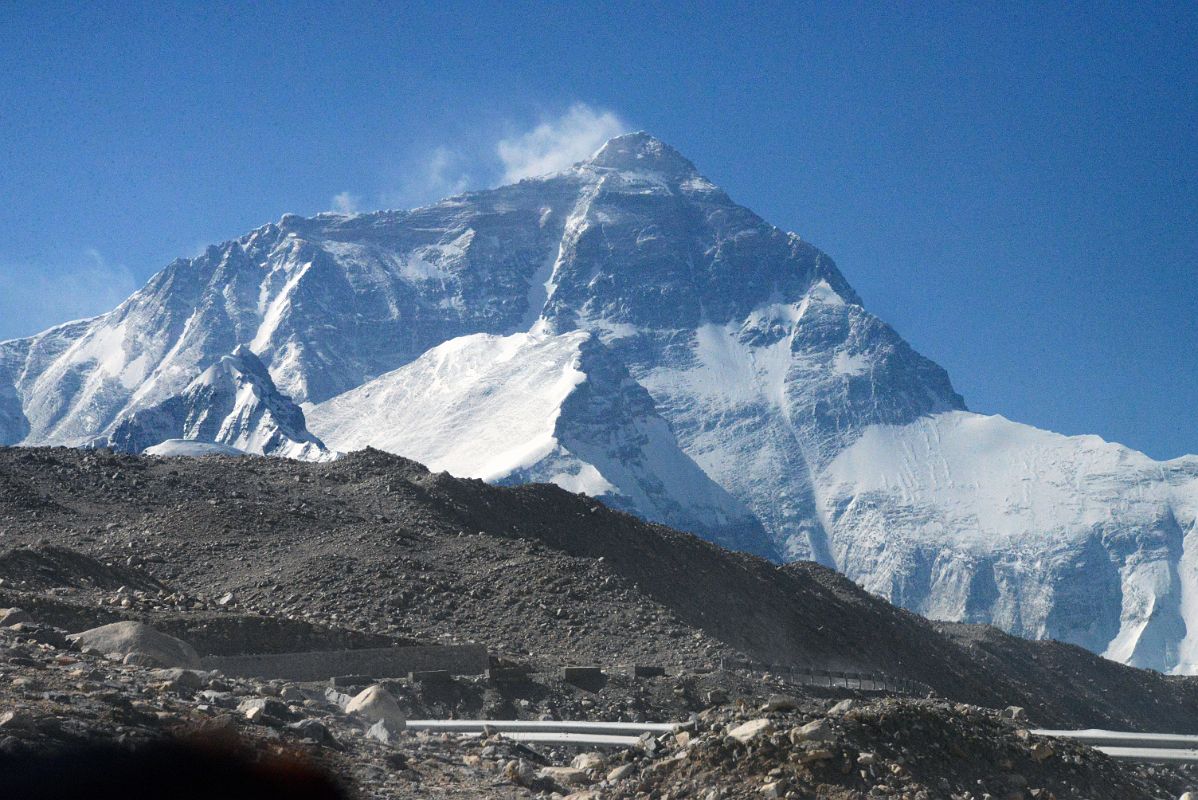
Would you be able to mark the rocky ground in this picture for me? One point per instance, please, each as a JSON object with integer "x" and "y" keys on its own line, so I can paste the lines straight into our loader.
{"x": 263, "y": 555}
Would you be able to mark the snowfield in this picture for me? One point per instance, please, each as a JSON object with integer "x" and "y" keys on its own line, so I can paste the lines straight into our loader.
{"x": 538, "y": 407}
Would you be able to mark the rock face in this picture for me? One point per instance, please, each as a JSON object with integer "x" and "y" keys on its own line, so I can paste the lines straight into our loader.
{"x": 705, "y": 337}
{"x": 137, "y": 639}
{"x": 235, "y": 404}
{"x": 538, "y": 407}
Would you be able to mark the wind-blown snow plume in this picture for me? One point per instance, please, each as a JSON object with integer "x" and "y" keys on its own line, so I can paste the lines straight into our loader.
{"x": 556, "y": 144}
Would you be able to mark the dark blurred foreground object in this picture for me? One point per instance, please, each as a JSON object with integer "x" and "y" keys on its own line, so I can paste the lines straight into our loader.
{"x": 187, "y": 769}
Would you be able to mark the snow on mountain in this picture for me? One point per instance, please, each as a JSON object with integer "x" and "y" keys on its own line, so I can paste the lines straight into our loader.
{"x": 770, "y": 375}
{"x": 967, "y": 517}
{"x": 232, "y": 404}
{"x": 186, "y": 448}
{"x": 537, "y": 407}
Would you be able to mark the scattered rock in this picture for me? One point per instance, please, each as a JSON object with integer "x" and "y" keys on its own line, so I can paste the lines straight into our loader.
{"x": 588, "y": 761}
{"x": 565, "y": 776}
{"x": 264, "y": 710}
{"x": 840, "y": 708}
{"x": 383, "y": 731}
{"x": 519, "y": 772}
{"x": 780, "y": 702}
{"x": 11, "y": 616}
{"x": 621, "y": 772}
{"x": 1016, "y": 713}
{"x": 1042, "y": 751}
{"x": 774, "y": 789}
{"x": 750, "y": 730}
{"x": 815, "y": 731}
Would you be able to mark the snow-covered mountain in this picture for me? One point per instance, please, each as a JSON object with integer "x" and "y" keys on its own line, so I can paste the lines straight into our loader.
{"x": 232, "y": 403}
{"x": 535, "y": 407}
{"x": 757, "y": 360}
{"x": 969, "y": 517}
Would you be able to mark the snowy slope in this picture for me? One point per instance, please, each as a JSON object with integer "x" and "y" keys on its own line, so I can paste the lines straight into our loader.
{"x": 537, "y": 407}
{"x": 234, "y": 403}
{"x": 968, "y": 517}
{"x": 185, "y": 448}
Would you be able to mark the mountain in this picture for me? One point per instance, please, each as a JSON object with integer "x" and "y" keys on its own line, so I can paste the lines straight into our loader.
{"x": 232, "y": 404}
{"x": 848, "y": 446}
{"x": 976, "y": 518}
{"x": 539, "y": 408}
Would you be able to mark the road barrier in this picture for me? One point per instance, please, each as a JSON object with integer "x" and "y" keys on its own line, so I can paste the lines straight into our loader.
{"x": 579, "y": 733}
{"x": 1156, "y": 748}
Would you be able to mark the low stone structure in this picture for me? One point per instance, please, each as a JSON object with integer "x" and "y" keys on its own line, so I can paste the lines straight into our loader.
{"x": 376, "y": 662}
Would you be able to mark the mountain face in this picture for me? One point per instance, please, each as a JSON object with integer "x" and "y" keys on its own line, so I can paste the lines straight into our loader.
{"x": 652, "y": 329}
{"x": 540, "y": 408}
{"x": 233, "y": 403}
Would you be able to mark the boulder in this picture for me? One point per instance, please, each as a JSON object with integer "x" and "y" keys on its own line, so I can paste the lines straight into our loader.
{"x": 265, "y": 710}
{"x": 374, "y": 704}
{"x": 815, "y": 731}
{"x": 780, "y": 702}
{"x": 146, "y": 645}
{"x": 11, "y": 616}
{"x": 565, "y": 776}
{"x": 383, "y": 731}
{"x": 621, "y": 772}
{"x": 519, "y": 772}
{"x": 588, "y": 761}
{"x": 176, "y": 678}
{"x": 840, "y": 708}
{"x": 750, "y": 730}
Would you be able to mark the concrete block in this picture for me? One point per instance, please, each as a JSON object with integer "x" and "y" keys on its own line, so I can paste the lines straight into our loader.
{"x": 647, "y": 671}
{"x": 508, "y": 674}
{"x": 573, "y": 674}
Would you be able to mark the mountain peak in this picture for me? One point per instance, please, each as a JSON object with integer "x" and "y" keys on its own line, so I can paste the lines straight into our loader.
{"x": 641, "y": 151}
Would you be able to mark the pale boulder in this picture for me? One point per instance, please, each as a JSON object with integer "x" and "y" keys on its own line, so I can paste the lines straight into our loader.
{"x": 147, "y": 646}
{"x": 375, "y": 704}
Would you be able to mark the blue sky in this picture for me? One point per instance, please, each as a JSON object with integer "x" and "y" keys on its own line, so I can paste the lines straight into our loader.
{"x": 1012, "y": 187}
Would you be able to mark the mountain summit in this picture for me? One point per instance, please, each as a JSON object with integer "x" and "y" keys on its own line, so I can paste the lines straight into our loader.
{"x": 640, "y": 152}
{"x": 624, "y": 328}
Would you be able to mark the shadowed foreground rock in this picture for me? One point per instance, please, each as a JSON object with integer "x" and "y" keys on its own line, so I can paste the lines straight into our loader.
{"x": 166, "y": 770}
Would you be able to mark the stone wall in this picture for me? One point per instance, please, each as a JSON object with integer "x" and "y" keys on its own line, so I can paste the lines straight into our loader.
{"x": 378, "y": 662}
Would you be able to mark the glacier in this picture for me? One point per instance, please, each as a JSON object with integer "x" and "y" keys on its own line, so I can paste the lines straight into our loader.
{"x": 625, "y": 329}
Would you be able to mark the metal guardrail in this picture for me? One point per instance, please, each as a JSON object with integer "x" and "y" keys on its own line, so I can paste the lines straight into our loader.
{"x": 1158, "y": 748}
{"x": 543, "y": 726}
{"x": 581, "y": 733}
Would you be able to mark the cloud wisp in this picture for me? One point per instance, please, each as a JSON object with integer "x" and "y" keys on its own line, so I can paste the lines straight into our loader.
{"x": 557, "y": 143}
{"x": 439, "y": 173}
{"x": 346, "y": 203}
{"x": 33, "y": 299}
{"x": 553, "y": 144}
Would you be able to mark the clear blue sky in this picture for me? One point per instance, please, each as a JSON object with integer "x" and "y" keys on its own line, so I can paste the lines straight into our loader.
{"x": 1013, "y": 188}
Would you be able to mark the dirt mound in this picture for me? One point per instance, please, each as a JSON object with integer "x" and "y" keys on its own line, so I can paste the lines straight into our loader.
{"x": 899, "y": 748}
{"x": 379, "y": 544}
{"x": 50, "y": 567}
